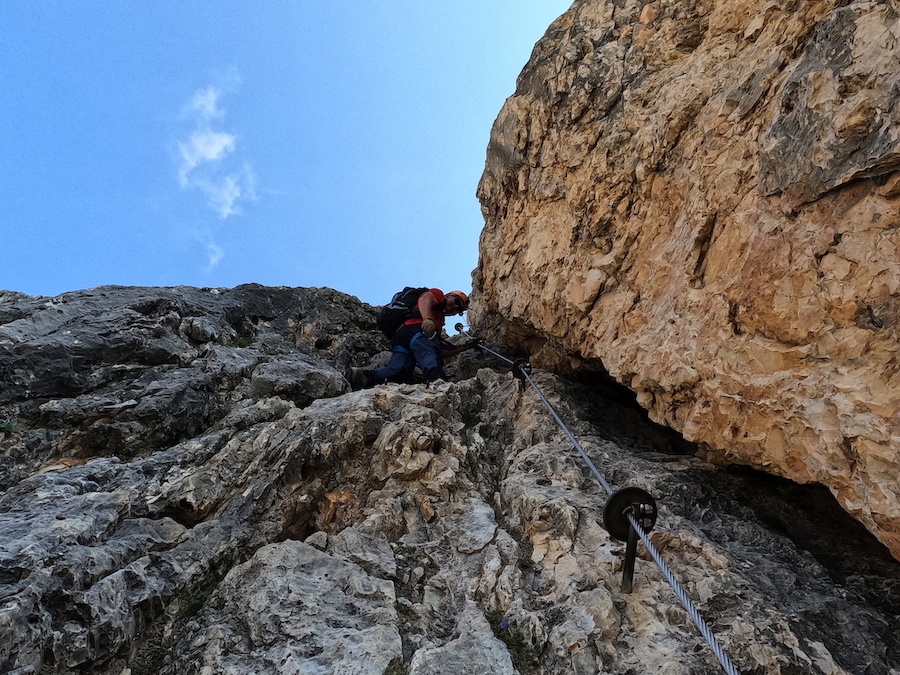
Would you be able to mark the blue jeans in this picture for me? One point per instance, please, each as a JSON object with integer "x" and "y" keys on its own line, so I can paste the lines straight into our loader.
{"x": 421, "y": 352}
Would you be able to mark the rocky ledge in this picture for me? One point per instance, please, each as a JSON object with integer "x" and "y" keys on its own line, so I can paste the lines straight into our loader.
{"x": 189, "y": 487}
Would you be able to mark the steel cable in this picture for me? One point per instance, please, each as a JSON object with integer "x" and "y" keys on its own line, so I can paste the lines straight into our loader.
{"x": 685, "y": 599}
{"x": 680, "y": 593}
{"x": 570, "y": 435}
{"x": 499, "y": 356}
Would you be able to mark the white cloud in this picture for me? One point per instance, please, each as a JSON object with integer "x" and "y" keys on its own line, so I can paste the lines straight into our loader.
{"x": 205, "y": 105}
{"x": 223, "y": 195}
{"x": 225, "y": 192}
{"x": 249, "y": 183}
{"x": 204, "y": 145}
{"x": 214, "y": 255}
{"x": 207, "y": 159}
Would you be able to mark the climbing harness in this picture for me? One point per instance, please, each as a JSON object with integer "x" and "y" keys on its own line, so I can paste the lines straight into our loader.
{"x": 630, "y": 512}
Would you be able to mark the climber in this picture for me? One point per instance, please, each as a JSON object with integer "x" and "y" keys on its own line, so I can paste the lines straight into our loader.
{"x": 416, "y": 341}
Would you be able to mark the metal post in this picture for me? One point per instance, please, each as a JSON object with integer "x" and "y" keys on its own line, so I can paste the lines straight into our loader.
{"x": 630, "y": 557}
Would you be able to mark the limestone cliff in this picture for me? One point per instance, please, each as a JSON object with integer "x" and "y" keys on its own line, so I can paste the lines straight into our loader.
{"x": 187, "y": 486}
{"x": 704, "y": 195}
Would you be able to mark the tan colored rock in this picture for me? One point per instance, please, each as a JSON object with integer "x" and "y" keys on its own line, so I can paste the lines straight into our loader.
{"x": 705, "y": 196}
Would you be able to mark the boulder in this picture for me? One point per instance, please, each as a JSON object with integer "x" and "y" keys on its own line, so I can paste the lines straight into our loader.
{"x": 701, "y": 198}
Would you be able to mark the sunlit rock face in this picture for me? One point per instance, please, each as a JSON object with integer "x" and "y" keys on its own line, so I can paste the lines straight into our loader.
{"x": 705, "y": 196}
{"x": 190, "y": 487}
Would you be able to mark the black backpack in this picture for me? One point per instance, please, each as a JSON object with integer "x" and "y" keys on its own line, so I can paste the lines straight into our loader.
{"x": 401, "y": 307}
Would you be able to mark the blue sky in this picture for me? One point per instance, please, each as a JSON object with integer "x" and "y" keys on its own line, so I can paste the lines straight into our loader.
{"x": 217, "y": 143}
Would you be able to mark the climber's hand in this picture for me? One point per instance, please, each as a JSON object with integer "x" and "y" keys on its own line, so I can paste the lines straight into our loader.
{"x": 429, "y": 328}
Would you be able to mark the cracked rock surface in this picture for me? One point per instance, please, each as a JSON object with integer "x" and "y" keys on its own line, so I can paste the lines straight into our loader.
{"x": 211, "y": 498}
{"x": 704, "y": 195}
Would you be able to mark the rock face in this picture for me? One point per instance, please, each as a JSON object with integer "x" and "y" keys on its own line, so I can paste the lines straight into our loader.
{"x": 705, "y": 196}
{"x": 189, "y": 487}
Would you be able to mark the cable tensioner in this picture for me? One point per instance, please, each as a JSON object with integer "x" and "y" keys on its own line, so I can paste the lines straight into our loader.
{"x": 641, "y": 507}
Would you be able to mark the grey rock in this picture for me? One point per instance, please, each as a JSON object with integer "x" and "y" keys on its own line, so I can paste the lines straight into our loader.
{"x": 372, "y": 552}
{"x": 447, "y": 527}
{"x": 470, "y": 525}
{"x": 318, "y": 539}
{"x": 199, "y": 329}
{"x": 474, "y": 652}
{"x": 298, "y": 378}
{"x": 293, "y": 609}
{"x": 118, "y": 371}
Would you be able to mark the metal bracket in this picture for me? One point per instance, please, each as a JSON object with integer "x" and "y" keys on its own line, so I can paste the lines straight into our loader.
{"x": 520, "y": 368}
{"x": 624, "y": 502}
